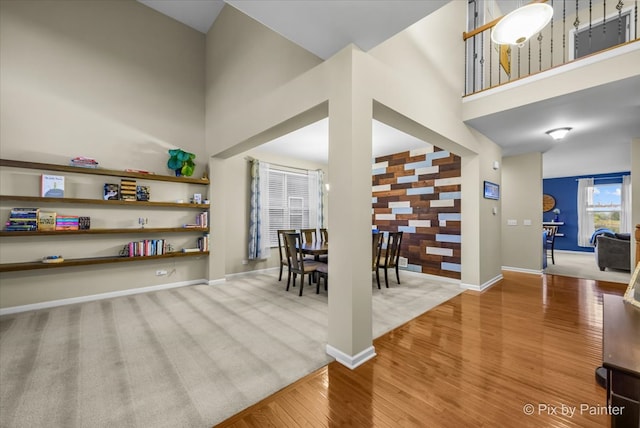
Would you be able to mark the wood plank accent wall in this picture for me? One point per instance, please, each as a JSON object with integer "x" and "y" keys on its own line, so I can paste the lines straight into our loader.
{"x": 418, "y": 192}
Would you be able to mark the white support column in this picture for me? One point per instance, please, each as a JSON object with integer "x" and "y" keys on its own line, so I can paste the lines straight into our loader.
{"x": 350, "y": 121}
{"x": 217, "y": 220}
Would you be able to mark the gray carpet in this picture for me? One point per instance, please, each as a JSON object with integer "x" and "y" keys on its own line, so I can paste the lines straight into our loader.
{"x": 583, "y": 265}
{"x": 186, "y": 357}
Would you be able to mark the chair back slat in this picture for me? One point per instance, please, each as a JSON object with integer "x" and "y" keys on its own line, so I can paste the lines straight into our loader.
{"x": 294, "y": 252}
{"x": 393, "y": 249}
{"x": 376, "y": 243}
{"x": 281, "y": 243}
{"x": 324, "y": 235}
{"x": 308, "y": 235}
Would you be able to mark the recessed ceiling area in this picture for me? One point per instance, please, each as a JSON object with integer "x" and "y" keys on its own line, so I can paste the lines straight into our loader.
{"x": 311, "y": 143}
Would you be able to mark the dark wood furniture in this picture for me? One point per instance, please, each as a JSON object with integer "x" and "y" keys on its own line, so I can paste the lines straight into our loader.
{"x": 284, "y": 260}
{"x": 376, "y": 246}
{"x": 388, "y": 259}
{"x": 298, "y": 265}
{"x": 314, "y": 248}
{"x": 102, "y": 204}
{"x": 621, "y": 359}
{"x": 550, "y": 241}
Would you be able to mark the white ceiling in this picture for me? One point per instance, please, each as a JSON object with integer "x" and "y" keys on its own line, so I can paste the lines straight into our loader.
{"x": 605, "y": 119}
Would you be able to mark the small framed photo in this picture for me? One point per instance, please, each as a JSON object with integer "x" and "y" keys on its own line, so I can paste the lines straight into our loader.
{"x": 197, "y": 198}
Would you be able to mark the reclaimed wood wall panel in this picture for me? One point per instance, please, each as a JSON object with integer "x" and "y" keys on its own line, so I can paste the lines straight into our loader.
{"x": 418, "y": 192}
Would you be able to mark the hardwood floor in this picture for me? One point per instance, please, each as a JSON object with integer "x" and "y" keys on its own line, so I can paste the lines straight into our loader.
{"x": 476, "y": 360}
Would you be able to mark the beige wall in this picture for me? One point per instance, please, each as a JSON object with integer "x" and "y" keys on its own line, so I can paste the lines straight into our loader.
{"x": 112, "y": 80}
{"x": 522, "y": 200}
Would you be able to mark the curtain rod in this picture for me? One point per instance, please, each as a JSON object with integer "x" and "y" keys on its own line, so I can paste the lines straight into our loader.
{"x": 605, "y": 178}
{"x": 249, "y": 158}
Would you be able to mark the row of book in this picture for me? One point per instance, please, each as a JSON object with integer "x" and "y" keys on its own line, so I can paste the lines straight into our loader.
{"x": 202, "y": 220}
{"x": 203, "y": 242}
{"x": 32, "y": 219}
{"x": 147, "y": 247}
{"x": 22, "y": 219}
{"x": 84, "y": 162}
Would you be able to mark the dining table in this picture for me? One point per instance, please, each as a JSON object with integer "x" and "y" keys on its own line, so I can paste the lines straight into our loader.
{"x": 315, "y": 249}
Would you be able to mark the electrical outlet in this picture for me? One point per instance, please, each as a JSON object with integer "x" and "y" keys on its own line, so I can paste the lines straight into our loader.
{"x": 403, "y": 262}
{"x": 245, "y": 262}
{"x": 161, "y": 272}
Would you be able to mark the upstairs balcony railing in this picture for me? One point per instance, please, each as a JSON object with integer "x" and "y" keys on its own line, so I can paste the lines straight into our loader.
{"x": 578, "y": 29}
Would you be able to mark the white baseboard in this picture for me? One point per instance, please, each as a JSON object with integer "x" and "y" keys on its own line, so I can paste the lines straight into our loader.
{"x": 351, "y": 361}
{"x": 573, "y": 252}
{"x": 430, "y": 277}
{"x": 482, "y": 287}
{"x": 92, "y": 297}
{"x": 251, "y": 272}
{"x": 217, "y": 281}
{"x": 521, "y": 270}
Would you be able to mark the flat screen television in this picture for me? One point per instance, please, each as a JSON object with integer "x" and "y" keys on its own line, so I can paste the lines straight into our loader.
{"x": 491, "y": 190}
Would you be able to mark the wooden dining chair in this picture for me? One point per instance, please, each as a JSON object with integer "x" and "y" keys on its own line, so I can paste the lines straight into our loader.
{"x": 298, "y": 265}
{"x": 323, "y": 273}
{"x": 284, "y": 260}
{"x": 308, "y": 235}
{"x": 391, "y": 256}
{"x": 376, "y": 245}
{"x": 551, "y": 241}
{"x": 324, "y": 235}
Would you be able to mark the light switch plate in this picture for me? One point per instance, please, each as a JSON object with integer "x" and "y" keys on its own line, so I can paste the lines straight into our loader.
{"x": 526, "y": 222}
{"x": 512, "y": 222}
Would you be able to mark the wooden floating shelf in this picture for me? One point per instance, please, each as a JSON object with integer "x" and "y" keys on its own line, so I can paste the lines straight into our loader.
{"x": 147, "y": 230}
{"x": 136, "y": 204}
{"x": 101, "y": 171}
{"x": 14, "y": 267}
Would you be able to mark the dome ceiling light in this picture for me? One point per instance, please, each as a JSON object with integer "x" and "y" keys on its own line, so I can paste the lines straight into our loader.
{"x": 517, "y": 27}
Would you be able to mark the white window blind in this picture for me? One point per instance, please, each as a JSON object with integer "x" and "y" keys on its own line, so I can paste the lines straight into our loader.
{"x": 288, "y": 202}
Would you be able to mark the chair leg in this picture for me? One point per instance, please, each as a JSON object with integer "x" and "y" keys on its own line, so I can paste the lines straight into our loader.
{"x": 318, "y": 284}
{"x": 386, "y": 280}
{"x": 280, "y": 277}
{"x": 301, "y": 284}
{"x": 553, "y": 260}
{"x": 397, "y": 274}
{"x": 289, "y": 280}
{"x": 378, "y": 277}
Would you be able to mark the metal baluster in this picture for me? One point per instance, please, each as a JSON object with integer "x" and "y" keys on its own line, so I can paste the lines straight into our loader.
{"x": 466, "y": 53}
{"x": 490, "y": 65}
{"x": 635, "y": 20}
{"x": 518, "y": 63}
{"x": 619, "y": 7}
{"x": 551, "y": 35}
{"x": 576, "y": 23}
{"x": 540, "y": 51}
{"x": 482, "y": 63}
{"x": 529, "y": 43}
{"x": 604, "y": 18}
{"x": 564, "y": 30}
{"x": 590, "y": 21}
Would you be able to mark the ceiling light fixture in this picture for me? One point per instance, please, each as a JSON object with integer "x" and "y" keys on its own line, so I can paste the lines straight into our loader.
{"x": 517, "y": 27}
{"x": 558, "y": 133}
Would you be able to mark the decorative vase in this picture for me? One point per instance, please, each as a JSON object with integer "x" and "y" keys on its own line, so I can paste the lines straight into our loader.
{"x": 556, "y": 218}
{"x": 178, "y": 172}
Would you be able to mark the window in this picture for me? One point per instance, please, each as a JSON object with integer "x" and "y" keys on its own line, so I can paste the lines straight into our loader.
{"x": 606, "y": 206}
{"x": 288, "y": 202}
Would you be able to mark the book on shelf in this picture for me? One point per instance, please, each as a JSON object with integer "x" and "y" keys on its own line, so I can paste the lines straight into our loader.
{"x": 22, "y": 219}
{"x": 142, "y": 193}
{"x": 191, "y": 250}
{"x": 146, "y": 247}
{"x": 84, "y": 223}
{"x": 52, "y": 186}
{"x": 111, "y": 192}
{"x": 128, "y": 189}
{"x": 203, "y": 242}
{"x": 66, "y": 222}
{"x": 84, "y": 162}
{"x": 46, "y": 220}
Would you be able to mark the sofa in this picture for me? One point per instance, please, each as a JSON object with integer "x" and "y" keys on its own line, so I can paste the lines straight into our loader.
{"x": 613, "y": 252}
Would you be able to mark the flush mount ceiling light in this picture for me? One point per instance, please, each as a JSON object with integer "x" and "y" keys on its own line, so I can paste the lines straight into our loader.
{"x": 558, "y": 133}
{"x": 517, "y": 27}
